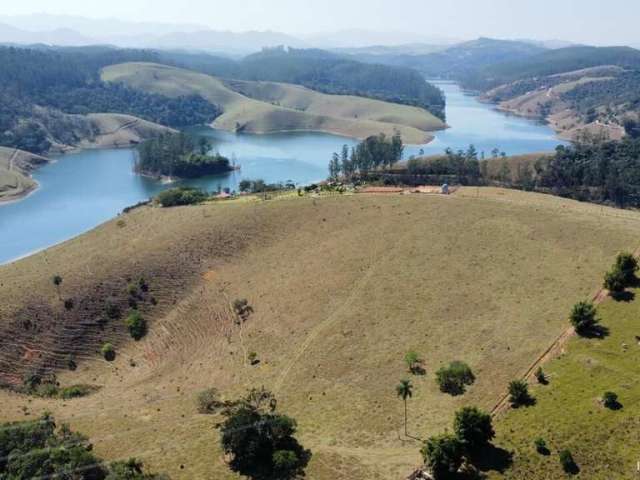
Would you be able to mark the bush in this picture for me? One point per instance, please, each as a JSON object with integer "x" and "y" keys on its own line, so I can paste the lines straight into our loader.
{"x": 76, "y": 391}
{"x": 541, "y": 377}
{"x": 181, "y": 196}
{"x": 108, "y": 352}
{"x": 583, "y": 317}
{"x": 136, "y": 325}
{"x": 541, "y": 446}
{"x": 519, "y": 393}
{"x": 568, "y": 463}
{"x": 208, "y": 402}
{"x": 473, "y": 428}
{"x": 454, "y": 378}
{"x": 443, "y": 455}
{"x": 132, "y": 290}
{"x": 68, "y": 304}
{"x": 414, "y": 363}
{"x": 610, "y": 400}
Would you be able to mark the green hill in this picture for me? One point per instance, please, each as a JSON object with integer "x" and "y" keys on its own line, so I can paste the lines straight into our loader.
{"x": 300, "y": 109}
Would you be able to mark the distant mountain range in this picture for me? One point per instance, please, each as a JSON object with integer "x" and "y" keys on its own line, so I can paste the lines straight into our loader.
{"x": 66, "y": 30}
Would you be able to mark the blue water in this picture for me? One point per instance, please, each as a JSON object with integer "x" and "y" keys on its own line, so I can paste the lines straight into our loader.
{"x": 82, "y": 190}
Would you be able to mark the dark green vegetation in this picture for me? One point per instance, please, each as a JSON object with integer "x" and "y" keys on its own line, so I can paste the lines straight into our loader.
{"x": 179, "y": 155}
{"x": 519, "y": 393}
{"x": 325, "y": 72}
{"x": 260, "y": 440}
{"x": 39, "y": 449}
{"x": 621, "y": 275}
{"x": 136, "y": 325}
{"x": 454, "y": 378}
{"x": 584, "y": 318}
{"x": 371, "y": 154}
{"x": 68, "y": 81}
{"x": 552, "y": 62}
{"x": 470, "y": 443}
{"x": 178, "y": 196}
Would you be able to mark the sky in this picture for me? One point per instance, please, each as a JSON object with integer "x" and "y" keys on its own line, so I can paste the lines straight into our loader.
{"x": 597, "y": 22}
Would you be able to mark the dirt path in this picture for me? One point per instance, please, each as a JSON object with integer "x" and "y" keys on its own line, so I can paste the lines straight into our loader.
{"x": 12, "y": 158}
{"x": 555, "y": 349}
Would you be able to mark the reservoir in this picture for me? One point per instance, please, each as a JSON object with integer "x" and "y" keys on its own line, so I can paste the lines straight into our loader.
{"x": 81, "y": 190}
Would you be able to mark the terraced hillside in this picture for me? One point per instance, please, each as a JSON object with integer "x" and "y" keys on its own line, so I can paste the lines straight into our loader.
{"x": 341, "y": 287}
{"x": 272, "y": 108}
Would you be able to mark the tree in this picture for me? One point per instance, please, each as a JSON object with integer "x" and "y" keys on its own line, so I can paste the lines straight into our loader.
{"x": 541, "y": 377}
{"x": 108, "y": 352}
{"x": 583, "y": 317}
{"x": 627, "y": 265}
{"x": 541, "y": 446}
{"x": 519, "y": 393}
{"x": 443, "y": 455}
{"x": 57, "y": 281}
{"x": 405, "y": 390}
{"x": 614, "y": 281}
{"x": 334, "y": 167}
{"x": 260, "y": 441}
{"x": 413, "y": 361}
{"x": 454, "y": 378}
{"x": 473, "y": 428}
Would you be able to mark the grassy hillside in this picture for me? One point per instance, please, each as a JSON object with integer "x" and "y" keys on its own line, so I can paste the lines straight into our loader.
{"x": 250, "y": 115}
{"x": 485, "y": 276}
{"x": 15, "y": 166}
{"x": 568, "y": 413}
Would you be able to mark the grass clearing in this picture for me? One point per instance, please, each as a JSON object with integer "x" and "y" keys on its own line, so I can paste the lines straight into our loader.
{"x": 341, "y": 287}
{"x": 569, "y": 413}
{"x": 271, "y": 108}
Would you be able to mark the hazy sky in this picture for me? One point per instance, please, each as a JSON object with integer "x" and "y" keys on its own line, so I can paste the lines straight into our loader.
{"x": 590, "y": 21}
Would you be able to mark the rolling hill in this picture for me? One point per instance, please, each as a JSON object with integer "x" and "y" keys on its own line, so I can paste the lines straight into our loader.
{"x": 486, "y": 276}
{"x": 15, "y": 167}
{"x": 301, "y": 109}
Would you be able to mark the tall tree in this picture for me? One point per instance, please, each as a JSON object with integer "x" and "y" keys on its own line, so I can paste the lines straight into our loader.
{"x": 404, "y": 390}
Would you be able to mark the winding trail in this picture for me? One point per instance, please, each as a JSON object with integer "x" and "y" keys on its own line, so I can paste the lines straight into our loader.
{"x": 553, "y": 351}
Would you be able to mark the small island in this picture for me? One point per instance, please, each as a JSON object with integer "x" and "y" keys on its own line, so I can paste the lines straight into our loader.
{"x": 179, "y": 155}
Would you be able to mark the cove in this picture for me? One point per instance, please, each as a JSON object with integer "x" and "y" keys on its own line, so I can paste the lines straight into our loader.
{"x": 81, "y": 190}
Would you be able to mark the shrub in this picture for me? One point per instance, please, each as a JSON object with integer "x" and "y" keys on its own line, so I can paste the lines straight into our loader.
{"x": 473, "y": 428}
{"x": 47, "y": 390}
{"x": 519, "y": 393}
{"x": 443, "y": 455}
{"x": 71, "y": 362}
{"x": 583, "y": 317}
{"x": 541, "y": 446}
{"x": 112, "y": 310}
{"x": 108, "y": 352}
{"x": 57, "y": 280}
{"x": 414, "y": 363}
{"x": 454, "y": 378}
{"x": 68, "y": 304}
{"x": 208, "y": 401}
{"x": 610, "y": 400}
{"x": 76, "y": 391}
{"x": 132, "y": 290}
{"x": 568, "y": 463}
{"x": 136, "y": 325}
{"x": 142, "y": 283}
{"x": 181, "y": 196}
{"x": 242, "y": 308}
{"x": 253, "y": 358}
{"x": 541, "y": 377}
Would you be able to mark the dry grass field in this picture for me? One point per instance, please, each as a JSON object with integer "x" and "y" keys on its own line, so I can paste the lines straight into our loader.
{"x": 270, "y": 108}
{"x": 342, "y": 287}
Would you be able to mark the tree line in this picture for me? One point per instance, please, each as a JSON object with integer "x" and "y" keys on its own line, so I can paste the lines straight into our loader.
{"x": 371, "y": 154}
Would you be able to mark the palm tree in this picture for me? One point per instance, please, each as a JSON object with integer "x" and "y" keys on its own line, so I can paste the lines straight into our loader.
{"x": 405, "y": 390}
